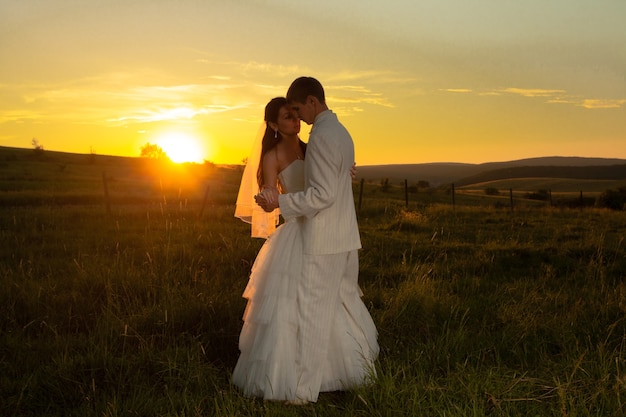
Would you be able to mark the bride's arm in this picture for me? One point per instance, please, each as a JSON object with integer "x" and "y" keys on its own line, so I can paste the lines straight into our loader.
{"x": 270, "y": 177}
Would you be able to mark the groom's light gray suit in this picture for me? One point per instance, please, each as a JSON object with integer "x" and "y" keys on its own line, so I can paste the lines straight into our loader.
{"x": 330, "y": 240}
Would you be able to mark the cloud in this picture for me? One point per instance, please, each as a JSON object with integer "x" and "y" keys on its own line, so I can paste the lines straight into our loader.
{"x": 563, "y": 100}
{"x": 120, "y": 98}
{"x": 345, "y": 111}
{"x": 275, "y": 70}
{"x": 360, "y": 96}
{"x": 372, "y": 76}
{"x": 147, "y": 95}
{"x": 533, "y": 92}
{"x": 18, "y": 116}
{"x": 174, "y": 113}
{"x": 355, "y": 94}
{"x": 561, "y": 97}
{"x": 366, "y": 87}
{"x": 457, "y": 90}
{"x": 551, "y": 96}
{"x": 603, "y": 103}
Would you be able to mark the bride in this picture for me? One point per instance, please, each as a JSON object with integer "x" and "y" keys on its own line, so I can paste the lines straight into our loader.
{"x": 267, "y": 365}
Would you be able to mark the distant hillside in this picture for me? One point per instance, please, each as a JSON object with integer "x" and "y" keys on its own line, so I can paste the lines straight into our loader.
{"x": 556, "y": 161}
{"x": 608, "y": 172}
{"x": 445, "y": 173}
{"x": 434, "y": 173}
{"x": 15, "y": 154}
{"x": 557, "y": 185}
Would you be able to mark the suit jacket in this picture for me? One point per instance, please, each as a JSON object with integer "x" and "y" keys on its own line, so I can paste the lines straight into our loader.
{"x": 327, "y": 203}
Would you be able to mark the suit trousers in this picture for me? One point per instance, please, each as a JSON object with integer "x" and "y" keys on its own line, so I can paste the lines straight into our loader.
{"x": 319, "y": 298}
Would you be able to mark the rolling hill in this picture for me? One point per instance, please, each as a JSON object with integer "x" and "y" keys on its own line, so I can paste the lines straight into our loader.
{"x": 464, "y": 174}
{"x": 436, "y": 174}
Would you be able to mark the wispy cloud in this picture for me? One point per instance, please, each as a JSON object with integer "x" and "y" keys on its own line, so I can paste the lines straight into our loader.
{"x": 533, "y": 92}
{"x": 603, "y": 104}
{"x": 457, "y": 90}
{"x": 174, "y": 113}
{"x": 367, "y": 87}
{"x": 275, "y": 70}
{"x": 551, "y": 96}
{"x": 561, "y": 97}
{"x": 118, "y": 98}
{"x": 377, "y": 77}
{"x": 355, "y": 94}
{"x": 563, "y": 100}
{"x": 18, "y": 116}
{"x": 345, "y": 111}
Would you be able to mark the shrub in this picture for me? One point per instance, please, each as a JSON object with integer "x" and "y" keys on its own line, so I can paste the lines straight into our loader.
{"x": 385, "y": 185}
{"x": 423, "y": 184}
{"x": 612, "y": 199}
{"x": 542, "y": 195}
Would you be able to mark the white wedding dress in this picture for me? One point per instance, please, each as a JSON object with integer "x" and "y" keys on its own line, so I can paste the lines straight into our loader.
{"x": 268, "y": 342}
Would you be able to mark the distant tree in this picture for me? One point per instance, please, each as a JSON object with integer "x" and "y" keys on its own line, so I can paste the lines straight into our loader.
{"x": 542, "y": 195}
{"x": 91, "y": 158}
{"x": 612, "y": 199}
{"x": 423, "y": 184}
{"x": 38, "y": 147}
{"x": 152, "y": 151}
{"x": 492, "y": 191}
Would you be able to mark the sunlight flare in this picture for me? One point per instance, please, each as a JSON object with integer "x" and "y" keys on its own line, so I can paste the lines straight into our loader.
{"x": 182, "y": 147}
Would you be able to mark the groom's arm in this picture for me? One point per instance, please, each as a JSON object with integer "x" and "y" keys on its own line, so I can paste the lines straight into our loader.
{"x": 323, "y": 158}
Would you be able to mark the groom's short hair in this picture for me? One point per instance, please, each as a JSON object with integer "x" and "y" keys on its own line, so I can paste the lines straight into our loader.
{"x": 303, "y": 87}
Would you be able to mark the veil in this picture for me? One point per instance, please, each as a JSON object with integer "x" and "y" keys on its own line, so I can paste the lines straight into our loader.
{"x": 246, "y": 209}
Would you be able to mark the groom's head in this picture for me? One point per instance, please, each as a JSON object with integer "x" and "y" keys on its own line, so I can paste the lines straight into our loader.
{"x": 306, "y": 97}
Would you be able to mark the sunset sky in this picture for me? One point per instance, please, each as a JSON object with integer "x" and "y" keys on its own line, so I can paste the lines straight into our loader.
{"x": 413, "y": 80}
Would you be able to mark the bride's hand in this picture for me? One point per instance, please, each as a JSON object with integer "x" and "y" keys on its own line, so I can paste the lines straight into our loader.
{"x": 270, "y": 194}
{"x": 353, "y": 171}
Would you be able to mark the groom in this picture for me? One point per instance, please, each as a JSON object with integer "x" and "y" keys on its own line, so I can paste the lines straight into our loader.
{"x": 330, "y": 231}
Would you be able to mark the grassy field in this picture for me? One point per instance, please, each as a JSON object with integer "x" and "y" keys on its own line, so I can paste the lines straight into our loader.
{"x": 136, "y": 310}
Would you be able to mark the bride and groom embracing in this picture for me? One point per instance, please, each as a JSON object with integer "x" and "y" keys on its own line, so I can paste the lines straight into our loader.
{"x": 306, "y": 329}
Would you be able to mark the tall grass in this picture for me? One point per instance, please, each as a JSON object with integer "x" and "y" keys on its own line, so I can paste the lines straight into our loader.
{"x": 481, "y": 311}
{"x": 508, "y": 313}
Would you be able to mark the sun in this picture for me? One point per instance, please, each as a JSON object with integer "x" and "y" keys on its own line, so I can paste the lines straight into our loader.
{"x": 181, "y": 147}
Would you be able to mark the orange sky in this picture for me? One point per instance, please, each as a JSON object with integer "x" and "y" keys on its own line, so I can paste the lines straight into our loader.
{"x": 414, "y": 81}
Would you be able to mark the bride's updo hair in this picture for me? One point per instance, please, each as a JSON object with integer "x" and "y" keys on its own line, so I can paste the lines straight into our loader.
{"x": 271, "y": 138}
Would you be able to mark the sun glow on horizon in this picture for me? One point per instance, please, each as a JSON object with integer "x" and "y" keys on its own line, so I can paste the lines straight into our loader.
{"x": 182, "y": 147}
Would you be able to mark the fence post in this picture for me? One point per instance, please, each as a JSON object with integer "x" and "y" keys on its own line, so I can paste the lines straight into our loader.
{"x": 581, "y": 200}
{"x": 361, "y": 194}
{"x": 453, "y": 202}
{"x": 406, "y": 193}
{"x": 511, "y": 197}
{"x": 204, "y": 200}
{"x": 107, "y": 202}
{"x": 550, "y": 196}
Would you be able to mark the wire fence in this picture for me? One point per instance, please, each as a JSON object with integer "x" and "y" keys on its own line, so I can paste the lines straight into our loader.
{"x": 502, "y": 198}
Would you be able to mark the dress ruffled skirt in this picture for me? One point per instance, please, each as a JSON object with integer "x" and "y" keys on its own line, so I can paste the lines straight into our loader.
{"x": 268, "y": 341}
